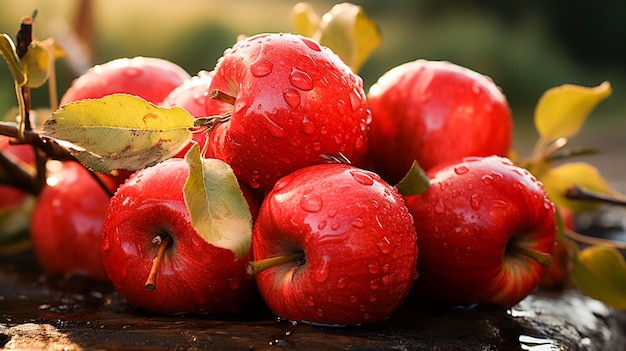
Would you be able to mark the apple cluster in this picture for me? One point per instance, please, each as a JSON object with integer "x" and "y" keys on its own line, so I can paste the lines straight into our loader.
{"x": 334, "y": 241}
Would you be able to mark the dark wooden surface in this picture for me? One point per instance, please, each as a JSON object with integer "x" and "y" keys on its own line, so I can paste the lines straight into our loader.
{"x": 74, "y": 314}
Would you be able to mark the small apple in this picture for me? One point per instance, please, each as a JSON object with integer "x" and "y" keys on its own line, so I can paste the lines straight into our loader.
{"x": 66, "y": 223}
{"x": 486, "y": 230}
{"x": 151, "y": 78}
{"x": 435, "y": 112}
{"x": 15, "y": 205}
{"x": 192, "y": 95}
{"x": 292, "y": 103}
{"x": 334, "y": 244}
{"x": 148, "y": 222}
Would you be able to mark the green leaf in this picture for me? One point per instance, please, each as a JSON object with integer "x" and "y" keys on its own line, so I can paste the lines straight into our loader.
{"x": 7, "y": 49}
{"x": 36, "y": 63}
{"x": 600, "y": 272}
{"x": 120, "y": 131}
{"x": 348, "y": 31}
{"x": 414, "y": 182}
{"x": 562, "y": 111}
{"x": 557, "y": 180}
{"x": 304, "y": 19}
{"x": 219, "y": 212}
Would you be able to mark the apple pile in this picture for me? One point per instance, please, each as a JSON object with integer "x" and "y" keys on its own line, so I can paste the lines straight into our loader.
{"x": 276, "y": 175}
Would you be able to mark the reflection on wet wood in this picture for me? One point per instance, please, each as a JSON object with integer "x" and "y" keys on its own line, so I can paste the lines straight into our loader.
{"x": 74, "y": 314}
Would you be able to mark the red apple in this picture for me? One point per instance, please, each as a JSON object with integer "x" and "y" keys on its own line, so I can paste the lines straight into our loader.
{"x": 435, "y": 112}
{"x": 148, "y": 77}
{"x": 148, "y": 213}
{"x": 66, "y": 222}
{"x": 294, "y": 103}
{"x": 348, "y": 243}
{"x": 15, "y": 205}
{"x": 192, "y": 95}
{"x": 486, "y": 230}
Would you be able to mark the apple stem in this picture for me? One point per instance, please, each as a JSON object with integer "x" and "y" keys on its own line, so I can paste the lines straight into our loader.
{"x": 254, "y": 267}
{"x": 219, "y": 95}
{"x": 542, "y": 258}
{"x": 163, "y": 241}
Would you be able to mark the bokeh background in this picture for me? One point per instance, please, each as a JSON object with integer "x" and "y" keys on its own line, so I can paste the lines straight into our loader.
{"x": 525, "y": 46}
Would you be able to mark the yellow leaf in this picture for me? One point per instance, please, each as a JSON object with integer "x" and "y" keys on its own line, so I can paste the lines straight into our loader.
{"x": 7, "y": 50}
{"x": 557, "y": 180}
{"x": 219, "y": 211}
{"x": 600, "y": 272}
{"x": 562, "y": 111}
{"x": 36, "y": 63}
{"x": 304, "y": 19}
{"x": 120, "y": 131}
{"x": 348, "y": 31}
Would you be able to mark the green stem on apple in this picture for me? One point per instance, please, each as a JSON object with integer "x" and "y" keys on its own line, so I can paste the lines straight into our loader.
{"x": 254, "y": 267}
{"x": 542, "y": 258}
{"x": 163, "y": 241}
{"x": 219, "y": 95}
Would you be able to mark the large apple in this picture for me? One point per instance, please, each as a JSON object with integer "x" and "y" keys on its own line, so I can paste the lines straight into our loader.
{"x": 486, "y": 230}
{"x": 15, "y": 204}
{"x": 66, "y": 223}
{"x": 294, "y": 103}
{"x": 435, "y": 112}
{"x": 340, "y": 246}
{"x": 151, "y": 78}
{"x": 148, "y": 219}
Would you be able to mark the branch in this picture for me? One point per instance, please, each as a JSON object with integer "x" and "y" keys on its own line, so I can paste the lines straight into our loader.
{"x": 578, "y": 193}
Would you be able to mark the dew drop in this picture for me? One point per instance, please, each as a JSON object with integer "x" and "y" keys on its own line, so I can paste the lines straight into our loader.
{"x": 362, "y": 178}
{"x": 322, "y": 274}
{"x": 373, "y": 268}
{"x": 321, "y": 225}
{"x": 372, "y": 298}
{"x": 476, "y": 89}
{"x": 440, "y": 208}
{"x": 254, "y": 184}
{"x": 338, "y": 139}
{"x": 274, "y": 128}
{"x": 487, "y": 179}
{"x": 353, "y": 299}
{"x": 362, "y": 308}
{"x": 106, "y": 244}
{"x": 475, "y": 201}
{"x": 307, "y": 126}
{"x": 311, "y": 202}
{"x": 310, "y": 302}
{"x": 341, "y": 283}
{"x": 355, "y": 99}
{"x": 374, "y": 284}
{"x": 319, "y": 312}
{"x": 233, "y": 283}
{"x": 358, "y": 223}
{"x": 261, "y": 67}
{"x": 300, "y": 79}
{"x": 317, "y": 146}
{"x": 332, "y": 213}
{"x": 292, "y": 97}
{"x": 132, "y": 72}
{"x": 461, "y": 169}
{"x": 384, "y": 246}
{"x": 386, "y": 280}
{"x": 335, "y": 226}
{"x": 499, "y": 204}
{"x": 311, "y": 44}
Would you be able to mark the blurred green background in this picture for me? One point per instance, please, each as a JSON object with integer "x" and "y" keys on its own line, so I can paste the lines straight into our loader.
{"x": 525, "y": 46}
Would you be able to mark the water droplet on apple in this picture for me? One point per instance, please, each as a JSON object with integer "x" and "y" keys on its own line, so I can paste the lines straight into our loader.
{"x": 311, "y": 44}
{"x": 372, "y": 298}
{"x": 353, "y": 299}
{"x": 362, "y": 308}
{"x": 335, "y": 225}
{"x": 106, "y": 244}
{"x": 499, "y": 204}
{"x": 300, "y": 79}
{"x": 322, "y": 274}
{"x": 358, "y": 223}
{"x": 261, "y": 67}
{"x": 476, "y": 89}
{"x": 373, "y": 268}
{"x": 386, "y": 280}
{"x": 307, "y": 126}
{"x": 487, "y": 179}
{"x": 132, "y": 72}
{"x": 233, "y": 283}
{"x": 292, "y": 97}
{"x": 475, "y": 201}
{"x": 310, "y": 302}
{"x": 355, "y": 99}
{"x": 254, "y": 184}
{"x": 311, "y": 202}
{"x": 338, "y": 139}
{"x": 341, "y": 283}
{"x": 332, "y": 213}
{"x": 323, "y": 130}
{"x": 319, "y": 312}
{"x": 362, "y": 177}
{"x": 461, "y": 169}
{"x": 384, "y": 246}
{"x": 317, "y": 146}
{"x": 274, "y": 129}
{"x": 440, "y": 208}
{"x": 374, "y": 284}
